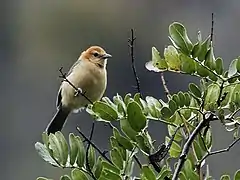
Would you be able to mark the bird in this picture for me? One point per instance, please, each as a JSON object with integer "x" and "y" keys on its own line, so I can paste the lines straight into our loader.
{"x": 89, "y": 75}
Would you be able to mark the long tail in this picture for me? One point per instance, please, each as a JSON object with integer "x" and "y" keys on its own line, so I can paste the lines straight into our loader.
{"x": 58, "y": 121}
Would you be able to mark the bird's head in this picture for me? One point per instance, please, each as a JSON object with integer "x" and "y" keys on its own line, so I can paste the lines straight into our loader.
{"x": 96, "y": 55}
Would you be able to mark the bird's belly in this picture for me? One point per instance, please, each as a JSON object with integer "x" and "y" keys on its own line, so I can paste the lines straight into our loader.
{"x": 93, "y": 88}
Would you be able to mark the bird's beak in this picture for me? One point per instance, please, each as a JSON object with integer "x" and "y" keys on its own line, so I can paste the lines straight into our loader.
{"x": 105, "y": 56}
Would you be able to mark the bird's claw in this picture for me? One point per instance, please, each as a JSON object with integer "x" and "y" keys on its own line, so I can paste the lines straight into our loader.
{"x": 78, "y": 91}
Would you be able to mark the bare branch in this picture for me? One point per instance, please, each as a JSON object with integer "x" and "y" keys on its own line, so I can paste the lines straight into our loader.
{"x": 208, "y": 116}
{"x": 211, "y": 37}
{"x": 103, "y": 154}
{"x": 87, "y": 153}
{"x": 167, "y": 92}
{"x": 218, "y": 151}
{"x": 131, "y": 46}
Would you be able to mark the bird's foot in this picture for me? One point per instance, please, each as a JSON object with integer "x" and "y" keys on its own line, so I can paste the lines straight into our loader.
{"x": 78, "y": 91}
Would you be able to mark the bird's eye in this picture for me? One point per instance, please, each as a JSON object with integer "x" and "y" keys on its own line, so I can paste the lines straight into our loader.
{"x": 96, "y": 54}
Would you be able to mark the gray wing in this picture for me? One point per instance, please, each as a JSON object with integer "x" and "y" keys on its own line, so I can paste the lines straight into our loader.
{"x": 59, "y": 98}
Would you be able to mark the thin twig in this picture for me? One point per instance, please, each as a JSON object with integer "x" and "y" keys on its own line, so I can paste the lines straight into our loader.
{"x": 137, "y": 161}
{"x": 87, "y": 153}
{"x": 162, "y": 121}
{"x": 162, "y": 152}
{"x": 206, "y": 119}
{"x": 218, "y": 151}
{"x": 131, "y": 46}
{"x": 103, "y": 154}
{"x": 77, "y": 90}
{"x": 212, "y": 25}
{"x": 167, "y": 92}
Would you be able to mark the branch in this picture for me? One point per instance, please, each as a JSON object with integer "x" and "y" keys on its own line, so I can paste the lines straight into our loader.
{"x": 131, "y": 46}
{"x": 211, "y": 36}
{"x": 77, "y": 90}
{"x": 137, "y": 161}
{"x": 103, "y": 154}
{"x": 167, "y": 92}
{"x": 208, "y": 116}
{"x": 162, "y": 152}
{"x": 87, "y": 153}
{"x": 162, "y": 121}
{"x": 218, "y": 151}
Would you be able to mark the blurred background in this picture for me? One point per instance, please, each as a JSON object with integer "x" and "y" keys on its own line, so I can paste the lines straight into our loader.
{"x": 38, "y": 37}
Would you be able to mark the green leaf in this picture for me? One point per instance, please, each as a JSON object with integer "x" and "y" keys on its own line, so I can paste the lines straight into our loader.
{"x": 208, "y": 138}
{"x": 81, "y": 152}
{"x": 154, "y": 106}
{"x": 188, "y": 169}
{"x": 63, "y": 147}
{"x": 129, "y": 167}
{"x": 65, "y": 177}
{"x": 201, "y": 71}
{"x": 45, "y": 138}
{"x": 110, "y": 167}
{"x": 108, "y": 101}
{"x": 197, "y": 150}
{"x": 176, "y": 98}
{"x": 225, "y": 177}
{"x": 237, "y": 175}
{"x": 219, "y": 66}
{"x": 126, "y": 129}
{"x": 148, "y": 173}
{"x": 187, "y": 99}
{"x": 165, "y": 172}
{"x": 73, "y": 148}
{"x": 109, "y": 175}
{"x": 232, "y": 68}
{"x": 116, "y": 158}
{"x": 211, "y": 97}
{"x": 45, "y": 155}
{"x": 55, "y": 146}
{"x": 115, "y": 144}
{"x": 181, "y": 97}
{"x": 212, "y": 76}
{"x": 196, "y": 50}
{"x": 171, "y": 130}
{"x": 172, "y": 105}
{"x": 135, "y": 117}
{"x": 122, "y": 140}
{"x": 98, "y": 167}
{"x": 78, "y": 175}
{"x": 226, "y": 95}
{"x": 210, "y": 59}
{"x": 157, "y": 64}
{"x": 175, "y": 149}
{"x": 172, "y": 58}
{"x": 104, "y": 111}
{"x": 187, "y": 64}
{"x": 142, "y": 144}
{"x": 121, "y": 107}
{"x": 166, "y": 112}
{"x": 204, "y": 48}
{"x": 235, "y": 94}
{"x": 127, "y": 98}
{"x": 195, "y": 90}
{"x": 42, "y": 178}
{"x": 91, "y": 156}
{"x": 182, "y": 176}
{"x": 178, "y": 34}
